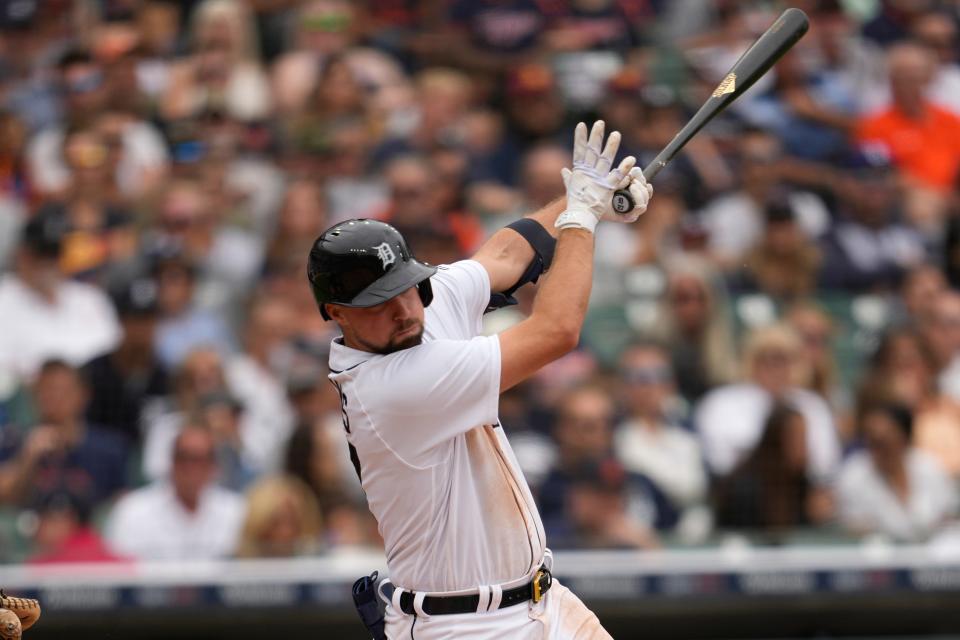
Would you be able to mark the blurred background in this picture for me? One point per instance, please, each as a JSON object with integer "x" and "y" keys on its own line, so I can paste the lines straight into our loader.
{"x": 759, "y": 435}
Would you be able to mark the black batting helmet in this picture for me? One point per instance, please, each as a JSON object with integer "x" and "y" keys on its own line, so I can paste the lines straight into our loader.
{"x": 363, "y": 263}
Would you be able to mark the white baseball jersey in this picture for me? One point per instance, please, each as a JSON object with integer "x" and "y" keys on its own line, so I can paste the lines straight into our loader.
{"x": 441, "y": 479}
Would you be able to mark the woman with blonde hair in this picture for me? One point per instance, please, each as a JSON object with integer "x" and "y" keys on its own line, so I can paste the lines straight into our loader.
{"x": 693, "y": 323}
{"x": 224, "y": 72}
{"x": 283, "y": 520}
{"x": 730, "y": 419}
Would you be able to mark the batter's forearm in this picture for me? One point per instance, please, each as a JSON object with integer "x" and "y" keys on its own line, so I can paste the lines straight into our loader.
{"x": 561, "y": 303}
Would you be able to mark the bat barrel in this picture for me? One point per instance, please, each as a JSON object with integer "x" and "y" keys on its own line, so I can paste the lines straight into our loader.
{"x": 757, "y": 60}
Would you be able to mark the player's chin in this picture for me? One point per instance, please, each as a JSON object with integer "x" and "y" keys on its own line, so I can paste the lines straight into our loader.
{"x": 405, "y": 340}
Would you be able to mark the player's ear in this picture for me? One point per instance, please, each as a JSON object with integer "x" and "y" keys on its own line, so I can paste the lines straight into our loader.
{"x": 335, "y": 312}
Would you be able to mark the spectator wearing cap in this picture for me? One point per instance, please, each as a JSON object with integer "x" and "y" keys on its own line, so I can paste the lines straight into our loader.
{"x": 125, "y": 380}
{"x": 184, "y": 516}
{"x": 64, "y": 533}
{"x": 891, "y": 488}
{"x": 533, "y": 105}
{"x": 43, "y": 315}
{"x": 651, "y": 442}
{"x": 769, "y": 491}
{"x": 730, "y": 419}
{"x": 62, "y": 447}
{"x": 869, "y": 247}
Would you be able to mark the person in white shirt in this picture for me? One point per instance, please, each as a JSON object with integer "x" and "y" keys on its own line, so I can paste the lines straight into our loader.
{"x": 419, "y": 389}
{"x": 729, "y": 419}
{"x": 44, "y": 316}
{"x": 892, "y": 488}
{"x": 649, "y": 441}
{"x": 185, "y": 517}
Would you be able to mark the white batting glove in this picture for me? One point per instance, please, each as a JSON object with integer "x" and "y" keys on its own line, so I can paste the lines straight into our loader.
{"x": 591, "y": 184}
{"x": 641, "y": 191}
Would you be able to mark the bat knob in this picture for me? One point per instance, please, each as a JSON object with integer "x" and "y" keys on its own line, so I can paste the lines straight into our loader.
{"x": 623, "y": 202}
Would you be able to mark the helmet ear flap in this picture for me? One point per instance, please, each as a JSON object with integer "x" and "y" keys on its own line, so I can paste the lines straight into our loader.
{"x": 425, "y": 289}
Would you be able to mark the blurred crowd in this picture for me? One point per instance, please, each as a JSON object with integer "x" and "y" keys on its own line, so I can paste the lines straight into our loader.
{"x": 772, "y": 351}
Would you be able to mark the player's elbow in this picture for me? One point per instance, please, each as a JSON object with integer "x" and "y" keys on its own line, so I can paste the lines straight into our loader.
{"x": 563, "y": 337}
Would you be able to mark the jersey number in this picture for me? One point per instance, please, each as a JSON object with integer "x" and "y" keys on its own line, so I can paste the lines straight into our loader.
{"x": 354, "y": 457}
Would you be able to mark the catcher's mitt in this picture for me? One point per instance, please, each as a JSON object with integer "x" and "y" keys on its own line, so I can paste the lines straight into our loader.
{"x": 16, "y": 614}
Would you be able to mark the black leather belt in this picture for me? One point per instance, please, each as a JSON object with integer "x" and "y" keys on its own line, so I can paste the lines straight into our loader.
{"x": 446, "y": 605}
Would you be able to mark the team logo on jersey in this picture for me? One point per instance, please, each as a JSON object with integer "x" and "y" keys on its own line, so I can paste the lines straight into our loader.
{"x": 386, "y": 254}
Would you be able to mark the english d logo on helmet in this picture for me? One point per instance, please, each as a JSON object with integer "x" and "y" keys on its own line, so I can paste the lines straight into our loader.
{"x": 363, "y": 263}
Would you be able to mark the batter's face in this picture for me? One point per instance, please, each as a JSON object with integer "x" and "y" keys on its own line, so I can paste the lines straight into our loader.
{"x": 394, "y": 325}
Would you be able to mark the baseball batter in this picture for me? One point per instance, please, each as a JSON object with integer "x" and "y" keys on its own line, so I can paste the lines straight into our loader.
{"x": 419, "y": 388}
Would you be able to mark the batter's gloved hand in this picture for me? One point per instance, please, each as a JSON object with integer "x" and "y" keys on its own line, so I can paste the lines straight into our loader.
{"x": 641, "y": 191}
{"x": 16, "y": 615}
{"x": 591, "y": 183}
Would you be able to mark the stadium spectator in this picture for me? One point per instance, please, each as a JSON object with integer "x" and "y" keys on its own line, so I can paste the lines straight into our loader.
{"x": 892, "y": 488}
{"x": 314, "y": 457}
{"x": 769, "y": 492}
{"x": 693, "y": 322}
{"x": 182, "y": 517}
{"x": 735, "y": 221}
{"x": 184, "y": 325}
{"x": 730, "y": 419}
{"x": 125, "y": 380}
{"x": 256, "y": 377}
{"x": 143, "y": 155}
{"x": 62, "y": 448}
{"x": 650, "y": 441}
{"x": 922, "y": 286}
{"x": 940, "y": 331}
{"x": 818, "y": 331}
{"x": 869, "y": 247}
{"x": 921, "y": 137}
{"x": 321, "y": 30}
{"x": 303, "y": 216}
{"x": 938, "y": 31}
{"x": 282, "y": 521}
{"x": 783, "y": 263}
{"x": 596, "y": 511}
{"x": 584, "y": 434}
{"x": 226, "y": 258}
{"x": 43, "y": 315}
{"x": 64, "y": 532}
{"x": 100, "y": 240}
{"x": 223, "y": 71}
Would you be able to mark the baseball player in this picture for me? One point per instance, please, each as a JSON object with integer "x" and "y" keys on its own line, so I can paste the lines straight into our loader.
{"x": 419, "y": 389}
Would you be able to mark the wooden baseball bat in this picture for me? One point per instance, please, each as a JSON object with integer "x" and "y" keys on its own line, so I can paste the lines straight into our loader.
{"x": 756, "y": 61}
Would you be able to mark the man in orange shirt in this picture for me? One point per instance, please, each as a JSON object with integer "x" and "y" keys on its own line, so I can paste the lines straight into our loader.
{"x": 923, "y": 138}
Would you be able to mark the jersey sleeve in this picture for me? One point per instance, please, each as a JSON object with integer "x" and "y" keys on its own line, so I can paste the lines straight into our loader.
{"x": 461, "y": 293}
{"x": 429, "y": 395}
